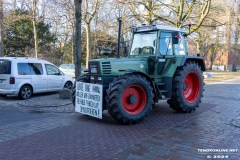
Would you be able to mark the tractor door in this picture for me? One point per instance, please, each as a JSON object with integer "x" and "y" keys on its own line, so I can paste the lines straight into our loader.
{"x": 165, "y": 54}
{"x": 157, "y": 64}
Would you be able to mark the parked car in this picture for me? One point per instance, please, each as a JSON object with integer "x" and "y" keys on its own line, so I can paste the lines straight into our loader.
{"x": 25, "y": 76}
{"x": 69, "y": 69}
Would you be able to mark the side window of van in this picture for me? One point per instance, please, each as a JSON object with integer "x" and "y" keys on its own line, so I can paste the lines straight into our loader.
{"x": 23, "y": 69}
{"x": 52, "y": 70}
{"x": 30, "y": 69}
{"x": 36, "y": 68}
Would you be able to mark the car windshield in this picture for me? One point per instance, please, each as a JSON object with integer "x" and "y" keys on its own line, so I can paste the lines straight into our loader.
{"x": 144, "y": 43}
{"x": 5, "y": 66}
{"x": 71, "y": 66}
{"x": 67, "y": 66}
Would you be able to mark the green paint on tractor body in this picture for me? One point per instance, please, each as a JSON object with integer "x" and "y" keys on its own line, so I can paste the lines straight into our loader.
{"x": 145, "y": 64}
{"x": 156, "y": 53}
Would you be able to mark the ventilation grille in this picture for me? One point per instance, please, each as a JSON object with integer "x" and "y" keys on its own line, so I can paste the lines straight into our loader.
{"x": 106, "y": 66}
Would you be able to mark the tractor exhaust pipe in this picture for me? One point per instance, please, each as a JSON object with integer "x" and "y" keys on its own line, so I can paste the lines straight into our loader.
{"x": 119, "y": 36}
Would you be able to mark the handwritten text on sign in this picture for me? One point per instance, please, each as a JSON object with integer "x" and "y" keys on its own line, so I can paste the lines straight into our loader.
{"x": 89, "y": 99}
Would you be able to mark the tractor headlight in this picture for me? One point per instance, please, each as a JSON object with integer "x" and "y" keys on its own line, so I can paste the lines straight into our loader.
{"x": 93, "y": 67}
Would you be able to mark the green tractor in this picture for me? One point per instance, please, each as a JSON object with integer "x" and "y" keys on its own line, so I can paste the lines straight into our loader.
{"x": 157, "y": 68}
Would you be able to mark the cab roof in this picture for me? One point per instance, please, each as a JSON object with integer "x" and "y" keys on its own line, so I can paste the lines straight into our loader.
{"x": 156, "y": 27}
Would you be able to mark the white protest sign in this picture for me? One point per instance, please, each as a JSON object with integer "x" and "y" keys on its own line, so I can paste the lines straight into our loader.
{"x": 89, "y": 99}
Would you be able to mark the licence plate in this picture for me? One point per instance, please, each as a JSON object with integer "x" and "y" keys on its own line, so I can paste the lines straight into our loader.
{"x": 89, "y": 99}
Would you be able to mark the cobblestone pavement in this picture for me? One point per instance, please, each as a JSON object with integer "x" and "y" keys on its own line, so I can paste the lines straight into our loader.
{"x": 49, "y": 131}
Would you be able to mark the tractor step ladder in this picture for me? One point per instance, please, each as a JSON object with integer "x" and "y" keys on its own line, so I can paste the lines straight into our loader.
{"x": 163, "y": 91}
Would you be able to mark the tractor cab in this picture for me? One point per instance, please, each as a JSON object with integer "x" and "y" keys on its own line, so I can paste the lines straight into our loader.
{"x": 160, "y": 44}
{"x": 158, "y": 40}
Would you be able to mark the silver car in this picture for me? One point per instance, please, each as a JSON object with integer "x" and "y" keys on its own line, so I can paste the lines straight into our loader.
{"x": 69, "y": 69}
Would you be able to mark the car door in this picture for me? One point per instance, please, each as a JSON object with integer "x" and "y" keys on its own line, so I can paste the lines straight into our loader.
{"x": 39, "y": 79}
{"x": 54, "y": 77}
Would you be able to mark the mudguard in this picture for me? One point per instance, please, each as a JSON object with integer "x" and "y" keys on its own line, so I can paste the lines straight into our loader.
{"x": 196, "y": 59}
{"x": 153, "y": 84}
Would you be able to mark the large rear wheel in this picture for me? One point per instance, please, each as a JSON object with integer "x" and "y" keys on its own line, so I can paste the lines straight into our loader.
{"x": 129, "y": 99}
{"x": 187, "y": 88}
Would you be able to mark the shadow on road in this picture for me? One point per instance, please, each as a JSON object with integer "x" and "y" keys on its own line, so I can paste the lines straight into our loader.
{"x": 9, "y": 97}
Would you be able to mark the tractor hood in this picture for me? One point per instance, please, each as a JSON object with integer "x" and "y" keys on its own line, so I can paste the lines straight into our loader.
{"x": 117, "y": 66}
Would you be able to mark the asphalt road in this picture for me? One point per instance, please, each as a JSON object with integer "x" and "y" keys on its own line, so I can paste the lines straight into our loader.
{"x": 30, "y": 130}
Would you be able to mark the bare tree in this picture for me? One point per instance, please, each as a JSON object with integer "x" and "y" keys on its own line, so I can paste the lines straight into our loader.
{"x": 78, "y": 48}
{"x": 174, "y": 12}
{"x": 1, "y": 28}
{"x": 87, "y": 19}
{"x": 34, "y": 8}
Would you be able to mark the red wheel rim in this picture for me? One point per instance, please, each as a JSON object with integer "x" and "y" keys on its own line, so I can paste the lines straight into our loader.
{"x": 191, "y": 87}
{"x": 134, "y": 99}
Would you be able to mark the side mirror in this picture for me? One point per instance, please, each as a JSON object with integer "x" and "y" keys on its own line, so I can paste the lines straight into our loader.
{"x": 175, "y": 40}
{"x": 175, "y": 37}
{"x": 106, "y": 52}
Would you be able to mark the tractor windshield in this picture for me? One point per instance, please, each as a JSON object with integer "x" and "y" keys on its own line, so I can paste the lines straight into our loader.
{"x": 144, "y": 43}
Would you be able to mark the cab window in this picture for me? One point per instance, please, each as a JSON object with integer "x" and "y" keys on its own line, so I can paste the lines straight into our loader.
{"x": 179, "y": 49}
{"x": 165, "y": 43}
{"x": 144, "y": 43}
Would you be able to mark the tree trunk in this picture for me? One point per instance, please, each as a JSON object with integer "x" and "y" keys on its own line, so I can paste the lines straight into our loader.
{"x": 88, "y": 46}
{"x": 1, "y": 29}
{"x": 78, "y": 47}
{"x": 72, "y": 45}
{"x": 228, "y": 35}
{"x": 199, "y": 39}
{"x": 35, "y": 28}
{"x": 149, "y": 5}
{"x": 235, "y": 56}
{"x": 211, "y": 62}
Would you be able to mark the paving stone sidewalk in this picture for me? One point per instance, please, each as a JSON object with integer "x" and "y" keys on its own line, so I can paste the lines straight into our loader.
{"x": 163, "y": 134}
{"x": 218, "y": 128}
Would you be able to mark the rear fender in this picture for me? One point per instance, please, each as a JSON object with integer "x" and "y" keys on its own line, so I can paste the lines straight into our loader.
{"x": 197, "y": 59}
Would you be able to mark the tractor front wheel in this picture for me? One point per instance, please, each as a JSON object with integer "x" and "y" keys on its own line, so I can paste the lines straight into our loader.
{"x": 129, "y": 99}
{"x": 187, "y": 88}
{"x": 79, "y": 79}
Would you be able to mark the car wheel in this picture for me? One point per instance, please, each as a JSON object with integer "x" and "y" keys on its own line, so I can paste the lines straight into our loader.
{"x": 25, "y": 92}
{"x": 68, "y": 85}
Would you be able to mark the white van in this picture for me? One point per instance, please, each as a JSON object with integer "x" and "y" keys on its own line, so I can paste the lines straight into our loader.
{"x": 24, "y": 76}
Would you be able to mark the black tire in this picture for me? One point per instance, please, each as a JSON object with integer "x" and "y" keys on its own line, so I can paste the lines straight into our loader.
{"x": 134, "y": 88}
{"x": 68, "y": 85}
{"x": 25, "y": 92}
{"x": 79, "y": 79}
{"x": 185, "y": 100}
{"x": 3, "y": 95}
